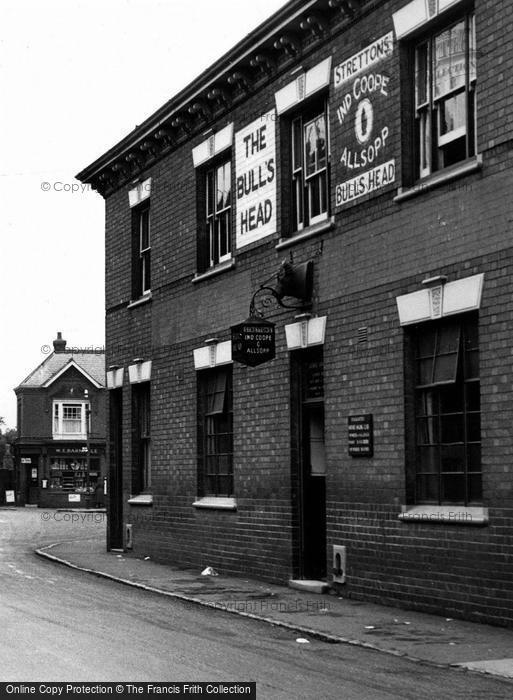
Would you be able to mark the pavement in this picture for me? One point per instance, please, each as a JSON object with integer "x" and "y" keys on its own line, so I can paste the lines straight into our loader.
{"x": 420, "y": 637}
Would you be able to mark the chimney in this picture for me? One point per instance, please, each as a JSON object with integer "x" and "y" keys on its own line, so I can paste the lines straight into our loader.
{"x": 59, "y": 345}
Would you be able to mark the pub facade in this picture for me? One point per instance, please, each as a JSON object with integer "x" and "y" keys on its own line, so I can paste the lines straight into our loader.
{"x": 343, "y": 175}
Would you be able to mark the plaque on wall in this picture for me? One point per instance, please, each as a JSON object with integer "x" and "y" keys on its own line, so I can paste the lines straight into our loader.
{"x": 360, "y": 435}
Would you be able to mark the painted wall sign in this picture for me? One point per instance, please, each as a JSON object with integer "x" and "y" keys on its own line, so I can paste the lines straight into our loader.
{"x": 360, "y": 435}
{"x": 255, "y": 180}
{"x": 362, "y": 162}
{"x": 363, "y": 60}
{"x": 253, "y": 342}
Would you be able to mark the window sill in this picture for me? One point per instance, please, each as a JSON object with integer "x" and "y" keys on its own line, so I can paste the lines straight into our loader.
{"x": 306, "y": 233}
{"x": 143, "y": 499}
{"x": 440, "y": 178}
{"x": 139, "y": 302}
{"x": 213, "y": 271}
{"x": 449, "y": 515}
{"x": 215, "y": 503}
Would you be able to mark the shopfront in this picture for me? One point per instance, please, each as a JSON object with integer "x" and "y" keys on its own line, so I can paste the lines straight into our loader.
{"x": 72, "y": 477}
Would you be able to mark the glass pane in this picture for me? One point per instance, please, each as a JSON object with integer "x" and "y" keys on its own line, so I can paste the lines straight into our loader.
{"x": 448, "y": 339}
{"x": 452, "y": 429}
{"x": 453, "y": 458}
{"x": 451, "y": 399}
{"x": 450, "y": 59}
{"x": 144, "y": 227}
{"x": 427, "y": 431}
{"x": 421, "y": 75}
{"x": 474, "y": 458}
{"x": 223, "y": 177}
{"x": 425, "y": 372}
{"x": 475, "y": 487}
{"x": 317, "y": 451}
{"x": 426, "y": 341}
{"x": 296, "y": 144}
{"x": 453, "y": 487}
{"x": 472, "y": 396}
{"x": 446, "y": 367}
{"x": 225, "y": 485}
{"x": 427, "y": 488}
{"x": 427, "y": 460}
{"x": 426, "y": 403}
{"x": 315, "y": 145}
{"x": 472, "y": 47}
{"x": 223, "y": 227}
{"x": 225, "y": 464}
{"x": 453, "y": 113}
{"x": 472, "y": 364}
{"x": 474, "y": 427}
{"x": 209, "y": 193}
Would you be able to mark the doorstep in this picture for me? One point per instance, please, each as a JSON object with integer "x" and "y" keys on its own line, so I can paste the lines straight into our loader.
{"x": 309, "y": 585}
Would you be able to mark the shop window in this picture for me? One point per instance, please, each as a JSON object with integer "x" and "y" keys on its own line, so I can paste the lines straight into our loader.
{"x": 215, "y": 225}
{"x": 309, "y": 167}
{"x": 73, "y": 474}
{"x": 215, "y": 432}
{"x": 141, "y": 247}
{"x": 141, "y": 475}
{"x": 447, "y": 413}
{"x": 70, "y": 420}
{"x": 445, "y": 96}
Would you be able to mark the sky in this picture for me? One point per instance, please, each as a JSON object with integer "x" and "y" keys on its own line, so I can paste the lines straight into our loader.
{"x": 75, "y": 77}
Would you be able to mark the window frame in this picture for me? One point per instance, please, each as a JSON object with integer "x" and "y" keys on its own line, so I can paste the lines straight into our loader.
{"x": 141, "y": 422}
{"x": 141, "y": 263}
{"x": 445, "y": 419}
{"x": 432, "y": 148}
{"x": 302, "y": 184}
{"x": 215, "y": 426}
{"x": 212, "y": 238}
{"x": 58, "y": 419}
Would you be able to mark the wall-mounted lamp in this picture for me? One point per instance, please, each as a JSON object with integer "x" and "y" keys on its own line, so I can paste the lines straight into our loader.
{"x": 140, "y": 371}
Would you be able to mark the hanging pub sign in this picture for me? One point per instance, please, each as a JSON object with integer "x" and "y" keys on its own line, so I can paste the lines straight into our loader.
{"x": 253, "y": 341}
{"x": 360, "y": 435}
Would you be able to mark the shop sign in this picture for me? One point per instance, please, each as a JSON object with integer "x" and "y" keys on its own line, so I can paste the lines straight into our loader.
{"x": 9, "y": 496}
{"x": 74, "y": 450}
{"x": 73, "y": 498}
{"x": 26, "y": 460}
{"x": 363, "y": 149}
{"x": 253, "y": 342}
{"x": 360, "y": 435}
{"x": 255, "y": 180}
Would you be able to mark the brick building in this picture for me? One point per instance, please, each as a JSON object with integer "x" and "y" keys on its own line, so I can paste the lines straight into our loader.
{"x": 372, "y": 139}
{"x": 60, "y": 449}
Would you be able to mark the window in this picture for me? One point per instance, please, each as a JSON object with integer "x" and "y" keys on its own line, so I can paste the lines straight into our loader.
{"x": 141, "y": 250}
{"x": 215, "y": 432}
{"x": 69, "y": 420}
{"x": 141, "y": 467}
{"x": 445, "y": 102}
{"x": 215, "y": 244}
{"x": 447, "y": 413}
{"x": 309, "y": 168}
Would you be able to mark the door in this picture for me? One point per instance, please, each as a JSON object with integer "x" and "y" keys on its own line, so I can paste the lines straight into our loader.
{"x": 115, "y": 471}
{"x": 31, "y": 481}
{"x": 310, "y": 467}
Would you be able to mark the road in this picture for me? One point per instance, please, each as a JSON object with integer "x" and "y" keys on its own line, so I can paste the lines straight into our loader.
{"x": 57, "y": 624}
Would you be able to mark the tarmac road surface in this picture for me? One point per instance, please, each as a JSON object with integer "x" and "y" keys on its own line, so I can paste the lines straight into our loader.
{"x": 59, "y": 625}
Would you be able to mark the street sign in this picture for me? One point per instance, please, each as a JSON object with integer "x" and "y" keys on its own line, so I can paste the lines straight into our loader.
{"x": 253, "y": 341}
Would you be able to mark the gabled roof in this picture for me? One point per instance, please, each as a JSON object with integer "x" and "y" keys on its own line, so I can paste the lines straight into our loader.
{"x": 90, "y": 364}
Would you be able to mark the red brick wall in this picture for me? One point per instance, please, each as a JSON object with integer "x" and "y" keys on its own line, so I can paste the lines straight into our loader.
{"x": 377, "y": 250}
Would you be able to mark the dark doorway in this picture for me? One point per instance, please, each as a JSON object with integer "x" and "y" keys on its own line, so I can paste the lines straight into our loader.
{"x": 31, "y": 480}
{"x": 115, "y": 483}
{"x": 309, "y": 463}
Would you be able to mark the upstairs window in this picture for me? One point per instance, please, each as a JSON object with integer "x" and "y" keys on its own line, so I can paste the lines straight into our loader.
{"x": 309, "y": 168}
{"x": 445, "y": 96}
{"x": 447, "y": 412}
{"x": 70, "y": 420}
{"x": 215, "y": 239}
{"x": 141, "y": 243}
